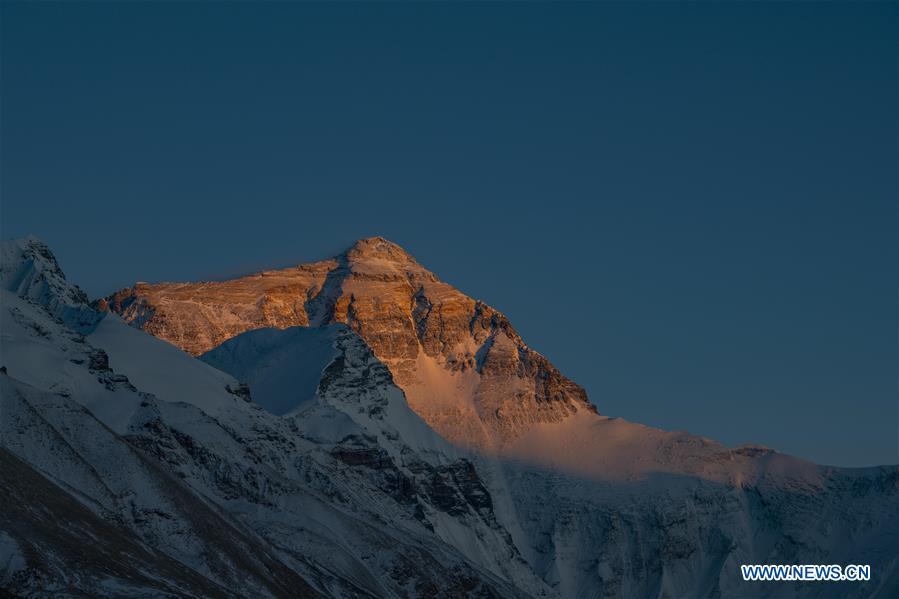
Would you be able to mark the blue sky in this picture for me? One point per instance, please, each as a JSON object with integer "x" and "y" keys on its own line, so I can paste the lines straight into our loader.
{"x": 690, "y": 208}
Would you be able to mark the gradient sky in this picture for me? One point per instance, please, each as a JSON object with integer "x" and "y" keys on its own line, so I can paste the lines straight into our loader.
{"x": 690, "y": 208}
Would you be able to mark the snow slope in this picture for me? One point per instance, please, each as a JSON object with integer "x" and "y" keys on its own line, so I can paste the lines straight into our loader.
{"x": 159, "y": 368}
{"x": 285, "y": 369}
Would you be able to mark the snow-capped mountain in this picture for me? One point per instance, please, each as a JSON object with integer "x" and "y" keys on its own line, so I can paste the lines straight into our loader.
{"x": 463, "y": 367}
{"x": 298, "y": 460}
{"x": 29, "y": 269}
{"x": 123, "y": 445}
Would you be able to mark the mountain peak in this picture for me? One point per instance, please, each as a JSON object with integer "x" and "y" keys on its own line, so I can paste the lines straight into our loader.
{"x": 32, "y": 245}
{"x": 30, "y": 239}
{"x": 29, "y": 269}
{"x": 378, "y": 248}
{"x": 22, "y": 258}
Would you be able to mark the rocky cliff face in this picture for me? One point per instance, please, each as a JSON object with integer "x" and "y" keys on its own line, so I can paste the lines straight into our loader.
{"x": 462, "y": 365}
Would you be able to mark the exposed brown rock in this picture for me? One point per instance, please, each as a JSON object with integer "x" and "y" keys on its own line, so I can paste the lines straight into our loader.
{"x": 463, "y": 367}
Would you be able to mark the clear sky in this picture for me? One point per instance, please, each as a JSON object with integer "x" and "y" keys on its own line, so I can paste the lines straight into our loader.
{"x": 690, "y": 208}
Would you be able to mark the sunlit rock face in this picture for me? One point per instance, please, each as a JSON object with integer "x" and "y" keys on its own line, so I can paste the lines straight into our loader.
{"x": 199, "y": 316}
{"x": 463, "y": 367}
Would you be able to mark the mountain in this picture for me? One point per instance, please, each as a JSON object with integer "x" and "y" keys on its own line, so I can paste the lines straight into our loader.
{"x": 291, "y": 460}
{"x": 463, "y": 367}
{"x": 130, "y": 468}
{"x": 29, "y": 269}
